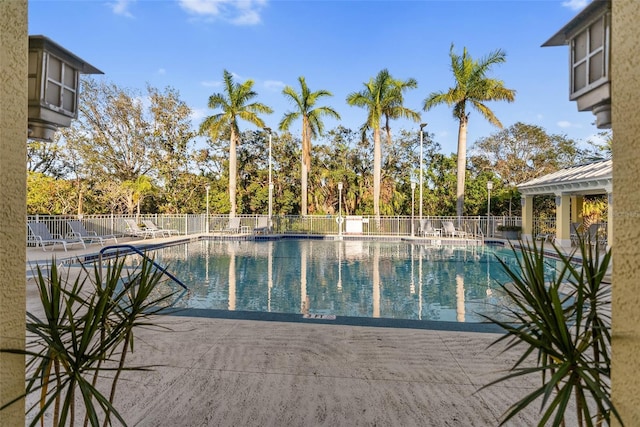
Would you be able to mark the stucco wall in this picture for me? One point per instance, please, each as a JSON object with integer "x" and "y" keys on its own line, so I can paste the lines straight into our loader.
{"x": 625, "y": 77}
{"x": 13, "y": 137}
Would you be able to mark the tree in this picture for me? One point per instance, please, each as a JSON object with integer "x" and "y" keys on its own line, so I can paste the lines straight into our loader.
{"x": 472, "y": 86}
{"x": 381, "y": 96}
{"x": 171, "y": 134}
{"x": 111, "y": 133}
{"x": 523, "y": 152}
{"x": 312, "y": 125}
{"x": 119, "y": 137}
{"x": 234, "y": 103}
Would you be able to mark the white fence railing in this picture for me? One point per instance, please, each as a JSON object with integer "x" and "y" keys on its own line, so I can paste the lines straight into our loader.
{"x": 366, "y": 225}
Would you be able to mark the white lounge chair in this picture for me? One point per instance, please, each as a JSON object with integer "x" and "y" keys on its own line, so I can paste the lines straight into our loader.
{"x": 262, "y": 226}
{"x": 79, "y": 231}
{"x": 150, "y": 225}
{"x": 426, "y": 229}
{"x": 43, "y": 237}
{"x": 134, "y": 230}
{"x": 450, "y": 230}
{"x": 233, "y": 226}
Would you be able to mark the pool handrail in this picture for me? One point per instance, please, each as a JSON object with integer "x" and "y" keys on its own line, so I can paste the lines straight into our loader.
{"x": 142, "y": 254}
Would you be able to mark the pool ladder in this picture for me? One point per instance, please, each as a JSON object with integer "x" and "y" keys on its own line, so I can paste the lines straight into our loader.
{"x": 143, "y": 255}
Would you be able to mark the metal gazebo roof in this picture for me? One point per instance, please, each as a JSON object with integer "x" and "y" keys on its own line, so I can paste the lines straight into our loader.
{"x": 585, "y": 179}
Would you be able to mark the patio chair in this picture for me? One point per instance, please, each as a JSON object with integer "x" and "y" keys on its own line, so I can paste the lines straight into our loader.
{"x": 594, "y": 236}
{"x": 233, "y": 226}
{"x": 79, "y": 231}
{"x": 262, "y": 226}
{"x": 448, "y": 229}
{"x": 134, "y": 230}
{"x": 150, "y": 225}
{"x": 426, "y": 229}
{"x": 43, "y": 237}
{"x": 574, "y": 232}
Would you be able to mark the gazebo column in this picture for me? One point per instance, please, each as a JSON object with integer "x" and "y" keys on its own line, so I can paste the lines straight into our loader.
{"x": 563, "y": 220}
{"x": 576, "y": 208}
{"x": 527, "y": 217}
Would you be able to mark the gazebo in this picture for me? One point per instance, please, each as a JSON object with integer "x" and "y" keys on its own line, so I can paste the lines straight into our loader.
{"x": 569, "y": 186}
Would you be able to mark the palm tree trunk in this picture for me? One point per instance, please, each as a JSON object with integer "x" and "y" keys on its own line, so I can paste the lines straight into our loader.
{"x": 377, "y": 166}
{"x": 306, "y": 164}
{"x": 232, "y": 174}
{"x": 462, "y": 165}
{"x": 303, "y": 202}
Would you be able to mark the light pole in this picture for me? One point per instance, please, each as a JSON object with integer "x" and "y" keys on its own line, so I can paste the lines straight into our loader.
{"x": 413, "y": 198}
{"x": 339, "y": 219}
{"x": 489, "y": 187}
{"x": 270, "y": 182}
{"x": 422, "y": 125}
{"x": 208, "y": 187}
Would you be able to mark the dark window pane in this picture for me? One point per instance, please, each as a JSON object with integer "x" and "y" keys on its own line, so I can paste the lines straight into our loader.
{"x": 54, "y": 70}
{"x": 596, "y": 35}
{"x": 52, "y": 94}
{"x": 580, "y": 77}
{"x": 596, "y": 67}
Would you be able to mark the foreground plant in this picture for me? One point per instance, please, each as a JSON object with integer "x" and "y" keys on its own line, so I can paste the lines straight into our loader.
{"x": 565, "y": 322}
{"x": 87, "y": 329}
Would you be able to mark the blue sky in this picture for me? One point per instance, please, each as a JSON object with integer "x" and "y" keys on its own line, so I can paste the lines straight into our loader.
{"x": 335, "y": 45}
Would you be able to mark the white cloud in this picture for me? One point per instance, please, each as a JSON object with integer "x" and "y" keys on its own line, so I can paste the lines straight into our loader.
{"x": 567, "y": 124}
{"x": 162, "y": 71}
{"x": 237, "y": 12}
{"x": 211, "y": 83}
{"x": 576, "y": 4}
{"x": 197, "y": 114}
{"x": 274, "y": 84}
{"x": 121, "y": 7}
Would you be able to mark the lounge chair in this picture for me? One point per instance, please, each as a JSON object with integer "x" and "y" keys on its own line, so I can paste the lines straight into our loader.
{"x": 80, "y": 232}
{"x": 448, "y": 229}
{"x": 134, "y": 230}
{"x": 594, "y": 236}
{"x": 574, "y": 232}
{"x": 426, "y": 229}
{"x": 150, "y": 225}
{"x": 262, "y": 226}
{"x": 43, "y": 237}
{"x": 233, "y": 226}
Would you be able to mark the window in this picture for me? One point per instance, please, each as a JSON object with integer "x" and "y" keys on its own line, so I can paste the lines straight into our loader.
{"x": 589, "y": 61}
{"x": 61, "y": 86}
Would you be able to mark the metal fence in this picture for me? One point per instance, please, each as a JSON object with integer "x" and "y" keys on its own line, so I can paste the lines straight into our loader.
{"x": 366, "y": 225}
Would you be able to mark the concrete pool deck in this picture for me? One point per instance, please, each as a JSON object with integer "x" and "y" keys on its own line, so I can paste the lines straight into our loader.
{"x": 234, "y": 372}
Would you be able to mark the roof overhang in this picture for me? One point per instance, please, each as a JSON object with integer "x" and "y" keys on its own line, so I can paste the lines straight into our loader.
{"x": 592, "y": 11}
{"x": 585, "y": 179}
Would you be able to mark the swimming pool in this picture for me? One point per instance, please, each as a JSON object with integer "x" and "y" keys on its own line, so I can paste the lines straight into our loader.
{"x": 325, "y": 279}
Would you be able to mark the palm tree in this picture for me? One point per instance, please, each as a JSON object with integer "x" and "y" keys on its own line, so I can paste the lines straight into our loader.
{"x": 312, "y": 125}
{"x": 473, "y": 87}
{"x": 382, "y": 96}
{"x": 234, "y": 105}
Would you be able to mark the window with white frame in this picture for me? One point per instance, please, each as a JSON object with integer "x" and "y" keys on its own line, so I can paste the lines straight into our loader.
{"x": 61, "y": 85}
{"x": 589, "y": 57}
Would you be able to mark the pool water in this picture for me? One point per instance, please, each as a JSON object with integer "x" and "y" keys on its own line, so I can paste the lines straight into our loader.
{"x": 395, "y": 280}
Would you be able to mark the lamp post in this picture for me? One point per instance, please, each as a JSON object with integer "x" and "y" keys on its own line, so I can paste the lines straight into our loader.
{"x": 422, "y": 125}
{"x": 339, "y": 219}
{"x": 208, "y": 187}
{"x": 413, "y": 192}
{"x": 489, "y": 187}
{"x": 270, "y": 182}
